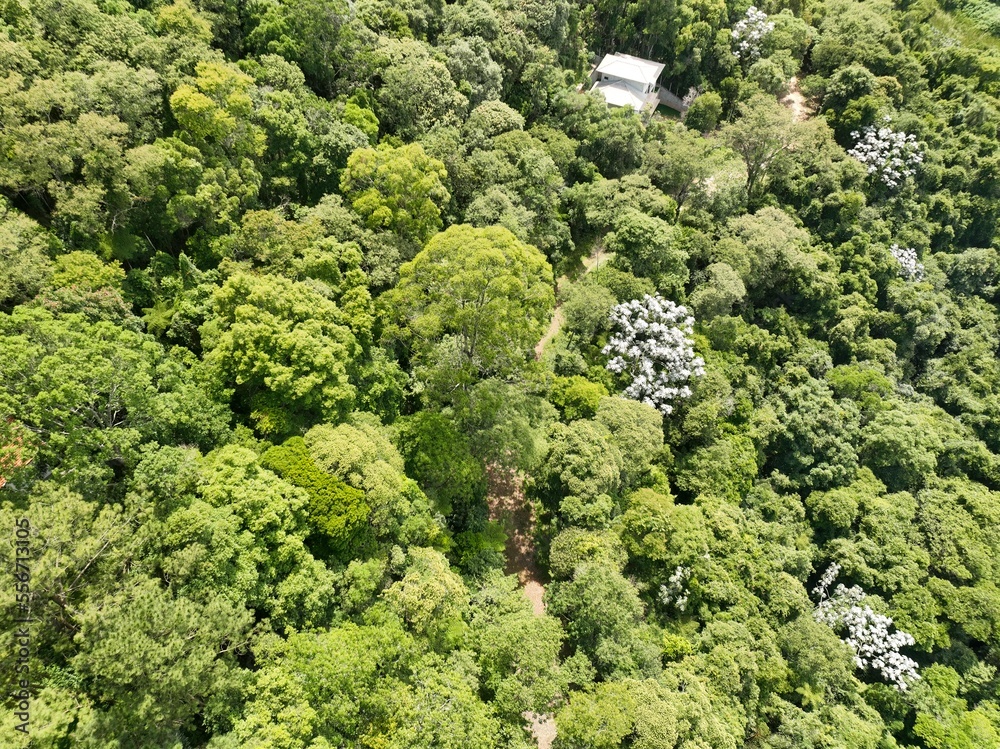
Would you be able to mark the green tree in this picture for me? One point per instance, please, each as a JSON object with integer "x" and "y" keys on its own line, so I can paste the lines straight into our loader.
{"x": 610, "y": 138}
{"x": 704, "y": 112}
{"x": 517, "y": 652}
{"x": 85, "y": 270}
{"x": 576, "y": 397}
{"x": 490, "y": 119}
{"x": 399, "y": 189}
{"x": 360, "y": 452}
{"x": 901, "y": 446}
{"x": 338, "y": 514}
{"x": 678, "y": 161}
{"x": 636, "y": 429}
{"x": 574, "y": 547}
{"x": 649, "y": 247}
{"x": 93, "y": 392}
{"x": 716, "y": 295}
{"x": 775, "y": 258}
{"x": 207, "y": 172}
{"x": 582, "y": 473}
{"x": 817, "y": 443}
{"x": 476, "y": 75}
{"x": 617, "y": 714}
{"x": 418, "y": 94}
{"x": 438, "y": 456}
{"x": 213, "y": 113}
{"x": 182, "y": 19}
{"x": 472, "y": 303}
{"x": 71, "y": 169}
{"x": 370, "y": 683}
{"x": 160, "y": 660}
{"x": 308, "y": 138}
{"x": 506, "y": 425}
{"x": 594, "y": 207}
{"x": 316, "y": 35}
{"x": 604, "y": 619}
{"x": 530, "y": 186}
{"x": 431, "y": 598}
{"x": 25, "y": 250}
{"x": 762, "y": 136}
{"x": 283, "y": 348}
{"x": 223, "y": 526}
{"x": 944, "y": 718}
{"x": 301, "y": 250}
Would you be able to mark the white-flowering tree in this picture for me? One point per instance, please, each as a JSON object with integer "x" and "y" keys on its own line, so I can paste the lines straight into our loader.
{"x": 749, "y": 32}
{"x": 909, "y": 267}
{"x": 652, "y": 342}
{"x": 867, "y": 632}
{"x": 891, "y": 156}
{"x": 675, "y": 590}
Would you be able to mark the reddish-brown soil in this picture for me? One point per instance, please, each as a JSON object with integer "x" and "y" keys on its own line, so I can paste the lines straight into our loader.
{"x": 508, "y": 505}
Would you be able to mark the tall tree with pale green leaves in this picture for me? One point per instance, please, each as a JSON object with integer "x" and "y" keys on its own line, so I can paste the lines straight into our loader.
{"x": 471, "y": 304}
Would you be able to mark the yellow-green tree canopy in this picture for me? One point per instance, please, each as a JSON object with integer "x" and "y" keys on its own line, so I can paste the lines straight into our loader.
{"x": 398, "y": 189}
{"x": 284, "y": 349}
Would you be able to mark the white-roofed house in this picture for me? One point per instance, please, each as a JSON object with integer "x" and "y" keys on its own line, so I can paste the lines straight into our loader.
{"x": 627, "y": 81}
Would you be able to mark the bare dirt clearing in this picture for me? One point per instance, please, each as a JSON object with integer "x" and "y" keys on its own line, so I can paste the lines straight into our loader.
{"x": 795, "y": 101}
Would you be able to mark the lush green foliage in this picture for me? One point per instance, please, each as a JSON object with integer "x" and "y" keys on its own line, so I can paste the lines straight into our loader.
{"x": 274, "y": 404}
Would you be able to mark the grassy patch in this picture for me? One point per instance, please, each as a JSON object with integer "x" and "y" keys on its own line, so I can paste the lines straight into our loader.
{"x": 964, "y": 30}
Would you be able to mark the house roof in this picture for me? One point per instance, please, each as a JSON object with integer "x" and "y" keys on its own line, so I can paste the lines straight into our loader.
{"x": 622, "y": 94}
{"x": 630, "y": 68}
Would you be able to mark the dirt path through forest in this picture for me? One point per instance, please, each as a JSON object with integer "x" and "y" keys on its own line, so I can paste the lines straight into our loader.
{"x": 553, "y": 329}
{"x": 795, "y": 101}
{"x": 507, "y": 505}
{"x": 589, "y": 263}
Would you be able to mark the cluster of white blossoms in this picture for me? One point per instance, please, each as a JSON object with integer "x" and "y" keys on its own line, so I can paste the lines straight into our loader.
{"x": 651, "y": 341}
{"x": 891, "y": 155}
{"x": 675, "y": 591}
{"x": 865, "y": 631}
{"x": 693, "y": 93}
{"x": 909, "y": 267}
{"x": 749, "y": 32}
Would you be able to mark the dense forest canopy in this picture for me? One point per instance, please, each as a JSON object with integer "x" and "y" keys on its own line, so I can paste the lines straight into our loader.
{"x": 331, "y": 328}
